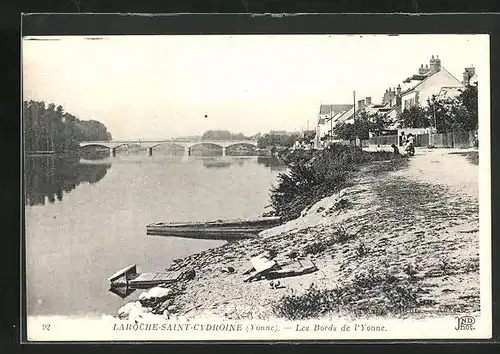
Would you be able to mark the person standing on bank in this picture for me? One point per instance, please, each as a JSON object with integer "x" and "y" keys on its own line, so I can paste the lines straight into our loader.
{"x": 410, "y": 145}
{"x": 402, "y": 139}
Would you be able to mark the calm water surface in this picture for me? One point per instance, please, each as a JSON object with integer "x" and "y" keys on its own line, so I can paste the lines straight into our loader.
{"x": 87, "y": 219}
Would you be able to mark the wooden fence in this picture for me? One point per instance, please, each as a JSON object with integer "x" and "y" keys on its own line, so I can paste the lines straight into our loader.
{"x": 383, "y": 140}
{"x": 459, "y": 140}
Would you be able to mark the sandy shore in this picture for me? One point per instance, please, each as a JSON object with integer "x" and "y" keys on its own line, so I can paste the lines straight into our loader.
{"x": 403, "y": 243}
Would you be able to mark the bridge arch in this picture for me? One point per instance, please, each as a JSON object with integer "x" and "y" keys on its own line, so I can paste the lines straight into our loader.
{"x": 112, "y": 148}
{"x": 206, "y": 143}
{"x": 201, "y": 143}
{"x": 96, "y": 145}
{"x": 243, "y": 143}
{"x": 119, "y": 145}
{"x": 171, "y": 143}
{"x": 167, "y": 143}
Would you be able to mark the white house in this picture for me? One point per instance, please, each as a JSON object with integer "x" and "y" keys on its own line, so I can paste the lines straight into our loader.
{"x": 429, "y": 81}
{"x": 327, "y": 119}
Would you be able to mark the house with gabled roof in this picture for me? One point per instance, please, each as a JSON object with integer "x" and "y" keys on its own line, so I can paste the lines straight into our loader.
{"x": 429, "y": 81}
{"x": 327, "y": 118}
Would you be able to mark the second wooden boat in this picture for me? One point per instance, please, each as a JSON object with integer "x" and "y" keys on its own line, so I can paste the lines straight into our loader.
{"x": 219, "y": 229}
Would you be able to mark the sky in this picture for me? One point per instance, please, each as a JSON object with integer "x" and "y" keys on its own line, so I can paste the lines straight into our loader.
{"x": 158, "y": 87}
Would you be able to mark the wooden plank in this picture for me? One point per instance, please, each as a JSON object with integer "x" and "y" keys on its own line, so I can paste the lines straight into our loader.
{"x": 261, "y": 264}
{"x": 304, "y": 267}
{"x": 161, "y": 275}
{"x": 175, "y": 275}
{"x": 156, "y": 278}
{"x": 144, "y": 277}
{"x": 123, "y": 272}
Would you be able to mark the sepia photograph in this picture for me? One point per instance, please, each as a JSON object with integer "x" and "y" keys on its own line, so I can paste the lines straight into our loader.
{"x": 256, "y": 187}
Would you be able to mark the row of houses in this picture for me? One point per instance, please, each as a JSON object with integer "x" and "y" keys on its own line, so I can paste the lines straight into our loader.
{"x": 431, "y": 79}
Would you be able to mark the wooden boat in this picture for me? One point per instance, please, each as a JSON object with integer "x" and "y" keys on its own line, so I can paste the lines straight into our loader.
{"x": 123, "y": 276}
{"x": 41, "y": 152}
{"x": 128, "y": 278}
{"x": 219, "y": 229}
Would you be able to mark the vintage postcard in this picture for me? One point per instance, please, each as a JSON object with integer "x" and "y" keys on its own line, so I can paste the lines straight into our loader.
{"x": 256, "y": 187}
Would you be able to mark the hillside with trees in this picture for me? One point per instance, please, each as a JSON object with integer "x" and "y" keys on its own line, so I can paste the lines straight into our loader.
{"x": 273, "y": 140}
{"x": 48, "y": 128}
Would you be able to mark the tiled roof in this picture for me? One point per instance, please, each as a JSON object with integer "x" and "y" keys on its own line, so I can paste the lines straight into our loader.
{"x": 418, "y": 84}
{"x": 346, "y": 116}
{"x": 333, "y": 108}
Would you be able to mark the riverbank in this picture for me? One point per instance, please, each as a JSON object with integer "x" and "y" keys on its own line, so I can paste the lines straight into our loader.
{"x": 400, "y": 240}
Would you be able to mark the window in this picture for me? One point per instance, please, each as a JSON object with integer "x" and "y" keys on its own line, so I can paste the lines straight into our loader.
{"x": 409, "y": 103}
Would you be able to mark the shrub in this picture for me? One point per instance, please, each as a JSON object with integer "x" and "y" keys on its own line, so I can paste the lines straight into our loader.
{"x": 367, "y": 294}
{"x": 314, "y": 175}
{"x": 311, "y": 304}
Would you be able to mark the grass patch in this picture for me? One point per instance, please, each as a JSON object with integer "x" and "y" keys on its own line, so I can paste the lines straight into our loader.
{"x": 340, "y": 236}
{"x": 367, "y": 294}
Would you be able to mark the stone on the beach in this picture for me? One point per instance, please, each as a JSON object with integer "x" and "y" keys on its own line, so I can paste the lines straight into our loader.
{"x": 155, "y": 293}
{"x": 125, "y": 310}
{"x": 172, "y": 309}
{"x": 228, "y": 269}
{"x": 137, "y": 313}
{"x": 188, "y": 275}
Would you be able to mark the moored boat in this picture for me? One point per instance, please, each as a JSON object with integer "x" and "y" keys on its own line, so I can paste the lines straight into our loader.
{"x": 219, "y": 229}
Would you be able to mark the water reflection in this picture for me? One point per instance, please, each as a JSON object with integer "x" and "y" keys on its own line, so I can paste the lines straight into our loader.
{"x": 122, "y": 291}
{"x": 216, "y": 164}
{"x": 223, "y": 163}
{"x": 94, "y": 155}
{"x": 272, "y": 163}
{"x": 48, "y": 177}
{"x": 102, "y": 226}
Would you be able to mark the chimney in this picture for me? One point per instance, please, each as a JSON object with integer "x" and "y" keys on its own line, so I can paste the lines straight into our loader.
{"x": 466, "y": 78}
{"x": 398, "y": 90}
{"x": 368, "y": 101}
{"x": 421, "y": 70}
{"x": 434, "y": 65}
{"x": 468, "y": 73}
{"x": 426, "y": 69}
{"x": 361, "y": 104}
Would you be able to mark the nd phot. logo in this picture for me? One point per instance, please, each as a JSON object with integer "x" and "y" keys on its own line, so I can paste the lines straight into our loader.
{"x": 465, "y": 323}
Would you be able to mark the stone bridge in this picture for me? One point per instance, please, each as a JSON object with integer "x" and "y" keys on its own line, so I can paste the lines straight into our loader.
{"x": 151, "y": 144}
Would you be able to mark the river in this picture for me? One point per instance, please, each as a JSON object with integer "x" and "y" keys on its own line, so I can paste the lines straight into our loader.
{"x": 86, "y": 219}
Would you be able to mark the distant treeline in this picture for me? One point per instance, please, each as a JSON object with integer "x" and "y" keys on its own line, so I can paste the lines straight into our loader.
{"x": 223, "y": 135}
{"x": 49, "y": 128}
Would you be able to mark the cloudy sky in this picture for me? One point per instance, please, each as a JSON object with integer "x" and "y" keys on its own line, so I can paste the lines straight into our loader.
{"x": 155, "y": 87}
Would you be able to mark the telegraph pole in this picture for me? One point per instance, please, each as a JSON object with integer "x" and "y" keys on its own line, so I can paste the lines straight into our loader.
{"x": 354, "y": 116}
{"x": 331, "y": 127}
